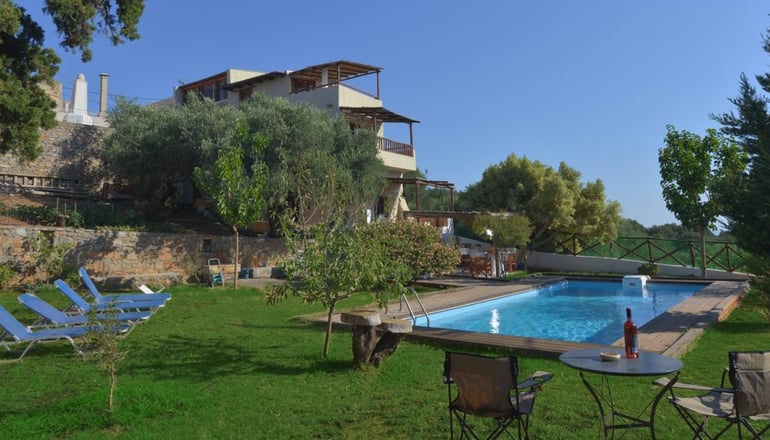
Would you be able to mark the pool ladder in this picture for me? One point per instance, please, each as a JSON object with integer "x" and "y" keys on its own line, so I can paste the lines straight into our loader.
{"x": 402, "y": 299}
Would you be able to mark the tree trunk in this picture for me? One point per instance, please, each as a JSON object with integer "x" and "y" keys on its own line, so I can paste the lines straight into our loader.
{"x": 327, "y": 338}
{"x": 703, "y": 252}
{"x": 236, "y": 258}
{"x": 385, "y": 347}
{"x": 364, "y": 343}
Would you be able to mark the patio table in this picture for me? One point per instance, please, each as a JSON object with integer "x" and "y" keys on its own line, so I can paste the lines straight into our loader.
{"x": 647, "y": 364}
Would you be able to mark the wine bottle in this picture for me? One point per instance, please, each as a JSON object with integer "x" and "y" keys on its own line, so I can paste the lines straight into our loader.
{"x": 630, "y": 336}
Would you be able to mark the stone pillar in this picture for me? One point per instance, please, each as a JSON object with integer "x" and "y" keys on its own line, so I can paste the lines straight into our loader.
{"x": 80, "y": 95}
{"x": 79, "y": 110}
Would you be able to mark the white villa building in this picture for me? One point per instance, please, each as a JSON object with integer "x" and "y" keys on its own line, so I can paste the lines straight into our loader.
{"x": 325, "y": 86}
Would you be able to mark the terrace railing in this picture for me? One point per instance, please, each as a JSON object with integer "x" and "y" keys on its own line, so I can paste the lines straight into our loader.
{"x": 385, "y": 144}
{"x": 686, "y": 253}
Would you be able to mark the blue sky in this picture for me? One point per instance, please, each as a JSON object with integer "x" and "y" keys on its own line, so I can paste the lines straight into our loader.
{"x": 590, "y": 83}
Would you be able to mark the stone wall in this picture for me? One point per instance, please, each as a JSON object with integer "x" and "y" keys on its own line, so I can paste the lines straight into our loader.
{"x": 69, "y": 160}
{"x": 123, "y": 258}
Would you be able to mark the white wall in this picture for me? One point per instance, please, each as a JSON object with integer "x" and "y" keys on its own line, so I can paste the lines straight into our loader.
{"x": 569, "y": 263}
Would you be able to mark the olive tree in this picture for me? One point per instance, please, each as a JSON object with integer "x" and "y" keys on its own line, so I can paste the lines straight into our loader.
{"x": 154, "y": 150}
{"x": 311, "y": 154}
{"x": 554, "y": 201}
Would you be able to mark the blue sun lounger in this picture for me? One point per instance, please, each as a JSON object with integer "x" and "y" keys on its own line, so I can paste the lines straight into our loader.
{"x": 57, "y": 317}
{"x": 21, "y": 334}
{"x": 120, "y": 297}
{"x": 124, "y": 306}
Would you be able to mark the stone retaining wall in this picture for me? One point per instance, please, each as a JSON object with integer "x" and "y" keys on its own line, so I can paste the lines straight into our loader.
{"x": 70, "y": 159}
{"x": 122, "y": 257}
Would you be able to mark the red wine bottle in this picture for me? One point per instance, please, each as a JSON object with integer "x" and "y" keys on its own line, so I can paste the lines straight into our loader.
{"x": 630, "y": 336}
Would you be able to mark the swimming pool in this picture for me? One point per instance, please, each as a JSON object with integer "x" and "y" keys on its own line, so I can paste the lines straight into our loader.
{"x": 574, "y": 310}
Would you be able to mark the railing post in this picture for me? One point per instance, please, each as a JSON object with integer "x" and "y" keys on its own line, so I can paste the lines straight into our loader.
{"x": 692, "y": 255}
{"x": 649, "y": 252}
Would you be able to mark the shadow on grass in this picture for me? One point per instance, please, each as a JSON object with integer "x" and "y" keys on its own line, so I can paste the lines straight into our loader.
{"x": 200, "y": 359}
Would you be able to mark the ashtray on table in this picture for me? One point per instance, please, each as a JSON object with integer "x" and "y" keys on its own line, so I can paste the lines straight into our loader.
{"x": 610, "y": 356}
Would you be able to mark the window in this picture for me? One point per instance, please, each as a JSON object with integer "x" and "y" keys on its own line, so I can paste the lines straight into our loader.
{"x": 221, "y": 93}
{"x": 207, "y": 90}
{"x": 213, "y": 89}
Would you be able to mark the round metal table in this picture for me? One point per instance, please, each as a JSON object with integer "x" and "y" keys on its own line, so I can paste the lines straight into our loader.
{"x": 647, "y": 364}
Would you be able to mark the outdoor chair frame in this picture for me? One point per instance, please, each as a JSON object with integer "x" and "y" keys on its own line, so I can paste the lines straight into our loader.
{"x": 124, "y": 306}
{"x": 16, "y": 333}
{"x": 53, "y": 317}
{"x": 487, "y": 387}
{"x": 99, "y": 298}
{"x": 742, "y": 398}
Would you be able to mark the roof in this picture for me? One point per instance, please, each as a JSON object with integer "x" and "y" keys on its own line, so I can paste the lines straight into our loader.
{"x": 379, "y": 113}
{"x": 249, "y": 82}
{"x": 346, "y": 69}
{"x": 204, "y": 80}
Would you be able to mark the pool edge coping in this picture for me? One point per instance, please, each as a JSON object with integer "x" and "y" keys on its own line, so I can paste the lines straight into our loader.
{"x": 666, "y": 334}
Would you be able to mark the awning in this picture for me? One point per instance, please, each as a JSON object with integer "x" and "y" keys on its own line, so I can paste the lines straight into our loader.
{"x": 336, "y": 71}
{"x": 379, "y": 113}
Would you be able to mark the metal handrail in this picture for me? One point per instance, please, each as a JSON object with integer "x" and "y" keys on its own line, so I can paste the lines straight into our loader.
{"x": 403, "y": 299}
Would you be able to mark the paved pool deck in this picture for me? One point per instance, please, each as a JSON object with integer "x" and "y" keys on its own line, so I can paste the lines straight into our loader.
{"x": 671, "y": 333}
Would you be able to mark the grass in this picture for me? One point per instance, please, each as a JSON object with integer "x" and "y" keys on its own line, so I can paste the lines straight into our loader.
{"x": 221, "y": 364}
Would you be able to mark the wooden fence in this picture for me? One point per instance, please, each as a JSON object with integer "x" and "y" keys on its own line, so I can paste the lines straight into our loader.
{"x": 686, "y": 253}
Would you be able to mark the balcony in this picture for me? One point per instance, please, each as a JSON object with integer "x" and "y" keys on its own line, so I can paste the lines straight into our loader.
{"x": 397, "y": 156}
{"x": 385, "y": 144}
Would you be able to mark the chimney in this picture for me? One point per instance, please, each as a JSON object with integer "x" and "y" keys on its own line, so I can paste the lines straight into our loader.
{"x": 103, "y": 95}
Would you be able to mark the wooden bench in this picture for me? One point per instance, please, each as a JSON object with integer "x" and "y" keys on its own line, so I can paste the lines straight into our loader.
{"x": 374, "y": 338}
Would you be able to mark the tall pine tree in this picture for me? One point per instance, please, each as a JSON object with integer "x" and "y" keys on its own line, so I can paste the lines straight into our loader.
{"x": 747, "y": 198}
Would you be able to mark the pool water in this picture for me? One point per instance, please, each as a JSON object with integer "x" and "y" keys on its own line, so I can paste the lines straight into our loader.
{"x": 578, "y": 311}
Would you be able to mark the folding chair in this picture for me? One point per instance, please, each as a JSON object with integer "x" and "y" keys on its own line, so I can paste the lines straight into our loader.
{"x": 745, "y": 399}
{"x": 487, "y": 387}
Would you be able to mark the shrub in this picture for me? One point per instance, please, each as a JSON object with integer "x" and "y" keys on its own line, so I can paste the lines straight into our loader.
{"x": 48, "y": 257}
{"x": 110, "y": 215}
{"x": 650, "y": 269}
{"x": 37, "y": 215}
{"x": 416, "y": 246}
{"x": 6, "y": 276}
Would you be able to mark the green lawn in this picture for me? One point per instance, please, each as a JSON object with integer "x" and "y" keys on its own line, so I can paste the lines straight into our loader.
{"x": 221, "y": 364}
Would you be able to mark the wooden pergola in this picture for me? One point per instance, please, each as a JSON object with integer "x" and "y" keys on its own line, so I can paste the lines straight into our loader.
{"x": 417, "y": 182}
